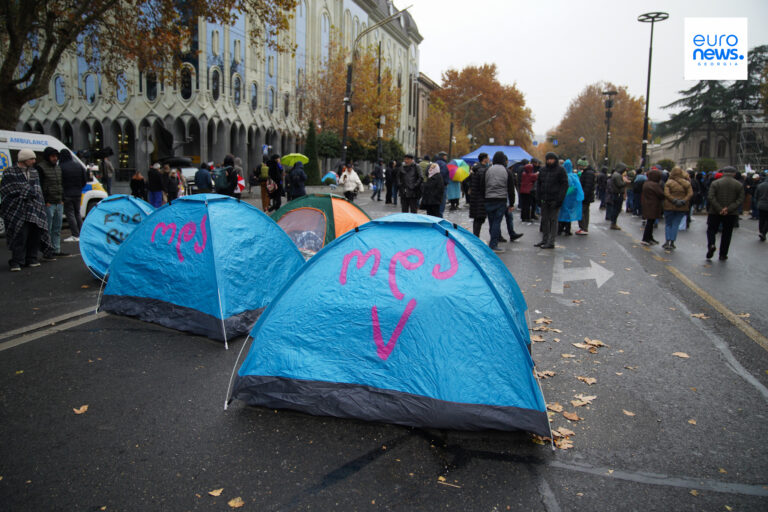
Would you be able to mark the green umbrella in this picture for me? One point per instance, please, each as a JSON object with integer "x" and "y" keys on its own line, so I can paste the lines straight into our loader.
{"x": 291, "y": 158}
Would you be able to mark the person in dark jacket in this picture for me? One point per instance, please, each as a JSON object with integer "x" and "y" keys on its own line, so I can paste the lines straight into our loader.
{"x": 477, "y": 193}
{"x": 509, "y": 212}
{"x": 652, "y": 199}
{"x": 203, "y": 182}
{"x": 410, "y": 185}
{"x": 528, "y": 177}
{"x": 377, "y": 180}
{"x": 551, "y": 188}
{"x": 588, "y": 180}
{"x": 73, "y": 179}
{"x": 617, "y": 184}
{"x": 390, "y": 180}
{"x": 296, "y": 180}
{"x": 499, "y": 193}
{"x": 637, "y": 191}
{"x": 155, "y": 186}
{"x": 138, "y": 185}
{"x": 53, "y": 193}
{"x": 602, "y": 184}
{"x": 761, "y": 196}
{"x": 276, "y": 175}
{"x": 434, "y": 190}
{"x": 229, "y": 165}
{"x": 725, "y": 197}
{"x": 172, "y": 184}
{"x": 441, "y": 161}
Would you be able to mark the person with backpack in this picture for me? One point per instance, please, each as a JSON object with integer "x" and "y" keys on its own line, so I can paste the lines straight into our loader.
{"x": 296, "y": 180}
{"x": 203, "y": 182}
{"x": 263, "y": 174}
{"x": 275, "y": 182}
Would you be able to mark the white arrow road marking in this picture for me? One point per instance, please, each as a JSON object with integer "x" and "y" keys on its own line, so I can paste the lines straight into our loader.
{"x": 561, "y": 275}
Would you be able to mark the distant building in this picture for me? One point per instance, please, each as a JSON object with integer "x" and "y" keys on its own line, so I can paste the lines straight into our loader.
{"x": 232, "y": 96}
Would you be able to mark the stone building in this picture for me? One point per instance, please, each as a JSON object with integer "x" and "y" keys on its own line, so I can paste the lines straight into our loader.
{"x": 232, "y": 96}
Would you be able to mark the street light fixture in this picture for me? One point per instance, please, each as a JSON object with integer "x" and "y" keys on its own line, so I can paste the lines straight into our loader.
{"x": 608, "y": 115}
{"x": 348, "y": 92}
{"x": 652, "y": 18}
{"x": 450, "y": 136}
{"x": 481, "y": 123}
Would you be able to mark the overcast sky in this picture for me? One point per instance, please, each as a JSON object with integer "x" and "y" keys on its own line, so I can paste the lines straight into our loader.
{"x": 552, "y": 49}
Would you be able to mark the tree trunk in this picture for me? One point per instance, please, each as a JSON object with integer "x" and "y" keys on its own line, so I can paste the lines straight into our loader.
{"x": 10, "y": 109}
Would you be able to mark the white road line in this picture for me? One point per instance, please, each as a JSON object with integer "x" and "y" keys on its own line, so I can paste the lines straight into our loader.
{"x": 52, "y": 330}
{"x": 45, "y": 323}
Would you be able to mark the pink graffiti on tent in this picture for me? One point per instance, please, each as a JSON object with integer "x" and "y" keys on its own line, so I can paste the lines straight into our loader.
{"x": 404, "y": 258}
{"x": 185, "y": 235}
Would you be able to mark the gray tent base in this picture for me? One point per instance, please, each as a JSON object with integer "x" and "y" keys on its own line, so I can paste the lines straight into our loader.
{"x": 180, "y": 317}
{"x": 383, "y": 405}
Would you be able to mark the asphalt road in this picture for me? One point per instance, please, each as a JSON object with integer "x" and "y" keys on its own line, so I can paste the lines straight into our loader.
{"x": 155, "y": 435}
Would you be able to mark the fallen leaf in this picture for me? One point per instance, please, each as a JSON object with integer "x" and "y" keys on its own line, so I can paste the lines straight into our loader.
{"x": 558, "y": 331}
{"x": 610, "y": 471}
{"x": 628, "y": 268}
{"x": 594, "y": 343}
{"x": 587, "y": 380}
{"x": 556, "y": 340}
{"x": 19, "y": 372}
{"x": 538, "y": 440}
{"x": 700, "y": 315}
{"x": 692, "y": 421}
{"x": 623, "y": 292}
{"x": 577, "y": 301}
{"x": 81, "y": 410}
{"x": 85, "y": 286}
{"x": 216, "y": 492}
{"x": 543, "y": 320}
{"x": 441, "y": 479}
{"x": 728, "y": 508}
{"x": 604, "y": 254}
{"x": 628, "y": 413}
{"x": 564, "y": 443}
{"x": 619, "y": 374}
{"x": 630, "y": 367}
{"x": 578, "y": 403}
{"x": 555, "y": 407}
{"x": 654, "y": 275}
{"x": 693, "y": 389}
{"x": 236, "y": 502}
{"x": 743, "y": 315}
{"x": 564, "y": 432}
{"x": 567, "y": 356}
{"x": 571, "y": 416}
{"x": 681, "y": 355}
{"x": 546, "y": 374}
{"x": 722, "y": 470}
{"x": 580, "y": 345}
{"x": 694, "y": 492}
{"x": 537, "y": 338}
{"x": 585, "y": 398}
{"x": 568, "y": 261}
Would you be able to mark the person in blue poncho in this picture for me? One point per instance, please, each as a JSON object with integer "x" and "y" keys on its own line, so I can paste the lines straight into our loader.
{"x": 571, "y": 209}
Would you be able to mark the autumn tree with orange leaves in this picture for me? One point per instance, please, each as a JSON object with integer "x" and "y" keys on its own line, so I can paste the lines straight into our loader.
{"x": 437, "y": 131}
{"x": 325, "y": 94}
{"x": 150, "y": 34}
{"x": 513, "y": 119}
{"x": 585, "y": 118}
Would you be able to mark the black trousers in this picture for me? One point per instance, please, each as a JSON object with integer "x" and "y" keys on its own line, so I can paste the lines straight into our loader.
{"x": 549, "y": 214}
{"x": 433, "y": 209}
{"x": 713, "y": 224}
{"x": 25, "y": 246}
{"x": 648, "y": 232}
{"x": 477, "y": 225}
{"x": 527, "y": 207}
{"x": 410, "y": 204}
{"x": 763, "y": 223}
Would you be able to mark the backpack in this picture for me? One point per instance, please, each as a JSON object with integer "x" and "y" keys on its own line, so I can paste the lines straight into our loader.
{"x": 220, "y": 180}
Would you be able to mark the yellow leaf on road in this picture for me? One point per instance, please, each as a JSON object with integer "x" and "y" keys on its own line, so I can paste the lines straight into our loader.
{"x": 543, "y": 320}
{"x": 216, "y": 492}
{"x": 567, "y": 356}
{"x": 555, "y": 407}
{"x": 236, "y": 502}
{"x": 81, "y": 409}
{"x": 628, "y": 413}
{"x": 694, "y": 492}
{"x": 537, "y": 338}
{"x": 571, "y": 416}
{"x": 723, "y": 471}
{"x": 681, "y": 355}
{"x": 702, "y": 316}
{"x": 623, "y": 292}
{"x": 546, "y": 374}
{"x": 585, "y": 398}
{"x": 594, "y": 343}
{"x": 564, "y": 443}
{"x": 587, "y": 380}
{"x": 564, "y": 432}
{"x": 692, "y": 421}
{"x": 441, "y": 479}
{"x": 580, "y": 345}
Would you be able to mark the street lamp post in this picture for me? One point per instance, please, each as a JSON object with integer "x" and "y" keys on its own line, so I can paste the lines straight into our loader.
{"x": 348, "y": 91}
{"x": 450, "y": 135}
{"x": 481, "y": 123}
{"x": 608, "y": 115}
{"x": 652, "y": 18}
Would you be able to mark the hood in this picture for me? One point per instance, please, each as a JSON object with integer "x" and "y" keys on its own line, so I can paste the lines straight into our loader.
{"x": 48, "y": 152}
{"x": 568, "y": 166}
{"x": 621, "y": 167}
{"x": 65, "y": 156}
{"x": 677, "y": 173}
{"x": 298, "y": 165}
{"x": 528, "y": 168}
{"x": 654, "y": 175}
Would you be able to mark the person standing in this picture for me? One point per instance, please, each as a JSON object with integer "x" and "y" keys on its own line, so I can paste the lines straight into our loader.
{"x": 433, "y": 191}
{"x": 637, "y": 191}
{"x": 725, "y": 197}
{"x": 138, "y": 185}
{"x": 23, "y": 211}
{"x": 678, "y": 193}
{"x": 378, "y": 180}
{"x": 761, "y": 195}
{"x": 477, "y": 193}
{"x": 296, "y": 181}
{"x": 390, "y": 180}
{"x": 107, "y": 169}
{"x": 410, "y": 184}
{"x": 617, "y": 184}
{"x": 155, "y": 186}
{"x": 588, "y": 182}
{"x": 424, "y": 164}
{"x": 551, "y": 188}
{"x": 172, "y": 191}
{"x": 571, "y": 208}
{"x": 652, "y": 198}
{"x": 263, "y": 173}
{"x": 276, "y": 175}
{"x": 73, "y": 179}
{"x": 499, "y": 192}
{"x": 203, "y": 182}
{"x": 440, "y": 160}
{"x": 350, "y": 182}
{"x": 528, "y": 178}
{"x": 602, "y": 184}
{"x": 53, "y": 195}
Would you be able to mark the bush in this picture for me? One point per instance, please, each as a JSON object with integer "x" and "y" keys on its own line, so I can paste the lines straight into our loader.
{"x": 329, "y": 181}
{"x": 328, "y": 145}
{"x": 366, "y": 179}
{"x": 706, "y": 165}
{"x": 666, "y": 164}
{"x": 312, "y": 168}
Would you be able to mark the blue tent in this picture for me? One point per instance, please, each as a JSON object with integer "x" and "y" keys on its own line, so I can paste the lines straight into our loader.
{"x": 107, "y": 226}
{"x": 514, "y": 153}
{"x": 408, "y": 319}
{"x": 206, "y": 264}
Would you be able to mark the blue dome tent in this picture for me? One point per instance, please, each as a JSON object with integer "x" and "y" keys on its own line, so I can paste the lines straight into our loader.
{"x": 408, "y": 320}
{"x": 107, "y": 226}
{"x": 206, "y": 264}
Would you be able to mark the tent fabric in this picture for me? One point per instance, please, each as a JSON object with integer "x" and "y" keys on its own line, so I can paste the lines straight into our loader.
{"x": 340, "y": 217}
{"x": 107, "y": 226}
{"x": 514, "y": 154}
{"x": 206, "y": 264}
{"x": 409, "y": 320}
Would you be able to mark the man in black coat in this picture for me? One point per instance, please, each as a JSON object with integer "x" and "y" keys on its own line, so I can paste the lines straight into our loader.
{"x": 551, "y": 188}
{"x": 602, "y": 184}
{"x": 409, "y": 184}
{"x": 477, "y": 193}
{"x": 588, "y": 182}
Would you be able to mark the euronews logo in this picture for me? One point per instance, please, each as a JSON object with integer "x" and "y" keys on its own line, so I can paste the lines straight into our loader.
{"x": 715, "y": 49}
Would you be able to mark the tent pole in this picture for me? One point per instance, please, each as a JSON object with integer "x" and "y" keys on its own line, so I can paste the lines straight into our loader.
{"x": 234, "y": 369}
{"x": 101, "y": 287}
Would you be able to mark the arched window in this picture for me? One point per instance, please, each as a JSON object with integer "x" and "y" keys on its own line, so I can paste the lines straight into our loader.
{"x": 151, "y": 86}
{"x": 91, "y": 88}
{"x": 704, "y": 148}
{"x": 185, "y": 88}
{"x": 59, "y": 90}
{"x": 236, "y": 90}
{"x": 271, "y": 100}
{"x": 254, "y": 96}
{"x": 722, "y": 148}
{"x": 215, "y": 87}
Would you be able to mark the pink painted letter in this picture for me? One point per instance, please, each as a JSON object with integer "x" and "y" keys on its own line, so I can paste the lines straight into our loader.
{"x": 162, "y": 226}
{"x": 450, "y": 248}
{"x": 199, "y": 248}
{"x": 361, "y": 261}
{"x": 383, "y": 350}
{"x": 186, "y": 234}
{"x": 402, "y": 257}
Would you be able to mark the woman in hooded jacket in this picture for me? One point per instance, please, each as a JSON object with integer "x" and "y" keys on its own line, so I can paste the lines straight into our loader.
{"x": 677, "y": 193}
{"x": 434, "y": 189}
{"x": 651, "y": 199}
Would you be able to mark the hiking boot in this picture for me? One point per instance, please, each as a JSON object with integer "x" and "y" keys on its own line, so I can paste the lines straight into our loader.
{"x": 667, "y": 246}
{"x": 672, "y": 245}
{"x": 615, "y": 227}
{"x": 539, "y": 244}
{"x": 654, "y": 241}
{"x": 515, "y": 236}
{"x": 711, "y": 251}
